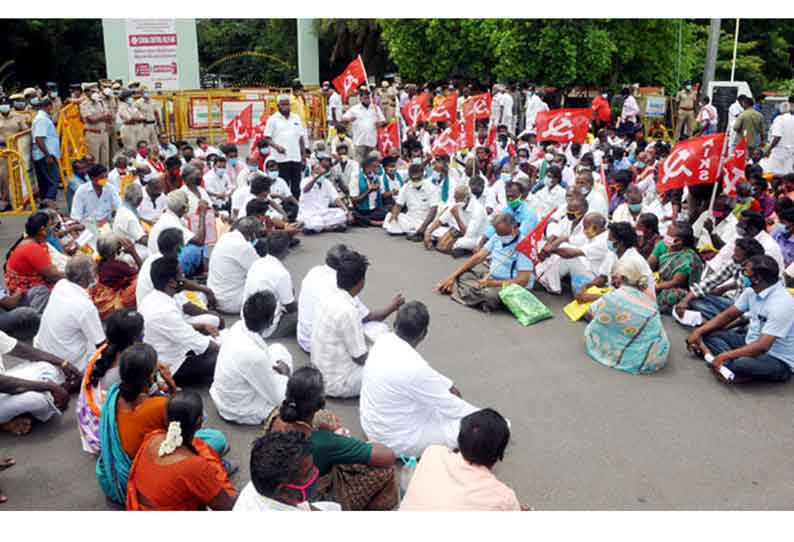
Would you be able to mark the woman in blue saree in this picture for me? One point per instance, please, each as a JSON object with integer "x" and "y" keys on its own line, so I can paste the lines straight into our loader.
{"x": 626, "y": 330}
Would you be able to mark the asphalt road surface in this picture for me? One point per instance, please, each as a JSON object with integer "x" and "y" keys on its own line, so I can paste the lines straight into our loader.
{"x": 583, "y": 436}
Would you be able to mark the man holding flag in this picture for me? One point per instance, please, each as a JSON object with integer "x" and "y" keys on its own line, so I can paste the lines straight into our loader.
{"x": 366, "y": 118}
{"x": 475, "y": 286}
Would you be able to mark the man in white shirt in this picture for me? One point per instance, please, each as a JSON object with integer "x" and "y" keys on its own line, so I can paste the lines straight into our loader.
{"x": 334, "y": 107}
{"x": 216, "y": 183}
{"x": 269, "y": 274}
{"x": 596, "y": 200}
{"x": 717, "y": 228}
{"x": 153, "y": 203}
{"x": 318, "y": 284}
{"x": 578, "y": 257}
{"x": 188, "y": 351}
{"x": 366, "y": 118}
{"x": 552, "y": 195}
{"x": 421, "y": 197}
{"x": 465, "y": 220}
{"x": 339, "y": 349}
{"x": 707, "y": 117}
{"x": 781, "y": 147}
{"x": 317, "y": 196}
{"x": 502, "y": 108}
{"x": 405, "y": 404}
{"x": 250, "y": 375}
{"x": 251, "y": 167}
{"x": 70, "y": 326}
{"x": 280, "y": 191}
{"x": 631, "y": 209}
{"x": 734, "y": 111}
{"x": 95, "y": 200}
{"x": 126, "y": 222}
{"x": 534, "y": 105}
{"x": 119, "y": 170}
{"x": 230, "y": 261}
{"x": 286, "y": 135}
{"x": 753, "y": 226}
{"x": 191, "y": 259}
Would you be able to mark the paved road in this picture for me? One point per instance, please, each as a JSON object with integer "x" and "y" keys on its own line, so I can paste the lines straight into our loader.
{"x": 584, "y": 436}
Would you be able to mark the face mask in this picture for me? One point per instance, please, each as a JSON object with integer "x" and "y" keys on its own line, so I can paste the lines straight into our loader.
{"x": 416, "y": 182}
{"x": 719, "y": 215}
{"x": 107, "y": 92}
{"x": 640, "y": 165}
{"x": 584, "y": 190}
{"x": 143, "y": 152}
{"x": 604, "y": 95}
{"x": 252, "y": 167}
{"x": 688, "y": 88}
{"x": 146, "y": 95}
{"x": 507, "y": 239}
{"x": 611, "y": 246}
{"x": 741, "y": 231}
{"x": 635, "y": 207}
{"x": 548, "y": 157}
{"x": 309, "y": 489}
{"x": 53, "y": 94}
{"x": 96, "y": 96}
{"x": 220, "y": 172}
{"x": 233, "y": 162}
{"x": 505, "y": 177}
{"x": 514, "y": 203}
{"x": 264, "y": 150}
{"x": 416, "y": 160}
{"x": 747, "y": 281}
{"x": 5, "y": 109}
{"x": 19, "y": 105}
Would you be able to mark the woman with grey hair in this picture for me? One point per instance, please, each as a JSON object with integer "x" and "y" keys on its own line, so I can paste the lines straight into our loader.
{"x": 127, "y": 222}
{"x": 116, "y": 279}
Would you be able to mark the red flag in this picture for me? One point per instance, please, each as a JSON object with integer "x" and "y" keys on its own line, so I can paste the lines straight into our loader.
{"x": 445, "y": 111}
{"x": 258, "y": 133}
{"x": 733, "y": 168}
{"x": 478, "y": 106}
{"x": 693, "y": 161}
{"x": 240, "y": 127}
{"x": 491, "y": 141}
{"x": 468, "y": 132}
{"x": 563, "y": 125}
{"x": 388, "y": 137}
{"x": 350, "y": 79}
{"x": 528, "y": 246}
{"x": 447, "y": 141}
{"x": 416, "y": 109}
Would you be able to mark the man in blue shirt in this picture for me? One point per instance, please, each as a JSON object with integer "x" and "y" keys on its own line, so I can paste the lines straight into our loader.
{"x": 766, "y": 352}
{"x": 475, "y": 286}
{"x": 523, "y": 214}
{"x": 79, "y": 177}
{"x": 46, "y": 149}
{"x": 96, "y": 200}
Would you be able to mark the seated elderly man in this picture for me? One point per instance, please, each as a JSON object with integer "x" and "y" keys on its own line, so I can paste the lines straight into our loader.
{"x": 474, "y": 285}
{"x": 421, "y": 197}
{"x": 127, "y": 223}
{"x": 321, "y": 209}
{"x": 193, "y": 254}
{"x": 367, "y": 194}
{"x": 717, "y": 228}
{"x": 95, "y": 200}
{"x": 268, "y": 274}
{"x": 459, "y": 227}
{"x": 230, "y": 261}
{"x": 70, "y": 326}
{"x": 766, "y": 351}
{"x": 188, "y": 351}
{"x": 596, "y": 200}
{"x": 521, "y": 211}
{"x": 405, "y": 403}
{"x": 460, "y": 477}
{"x": 318, "y": 284}
{"x": 34, "y": 389}
{"x": 579, "y": 258}
{"x": 250, "y": 375}
{"x": 339, "y": 349}
{"x": 631, "y": 209}
{"x": 153, "y": 202}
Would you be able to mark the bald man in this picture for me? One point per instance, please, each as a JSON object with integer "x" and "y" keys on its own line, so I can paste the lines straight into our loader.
{"x": 578, "y": 258}
{"x": 459, "y": 226}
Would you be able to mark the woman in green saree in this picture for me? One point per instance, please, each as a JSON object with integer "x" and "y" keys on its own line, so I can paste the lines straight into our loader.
{"x": 678, "y": 264}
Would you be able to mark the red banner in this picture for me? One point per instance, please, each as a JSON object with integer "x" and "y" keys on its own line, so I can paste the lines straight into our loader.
{"x": 563, "y": 125}
{"x": 388, "y": 137}
{"x": 693, "y": 161}
{"x": 445, "y": 111}
{"x": 416, "y": 109}
{"x": 350, "y": 79}
{"x": 733, "y": 168}
{"x": 447, "y": 141}
{"x": 479, "y": 106}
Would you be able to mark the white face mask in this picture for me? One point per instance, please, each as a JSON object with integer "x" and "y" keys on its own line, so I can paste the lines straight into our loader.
{"x": 53, "y": 94}
{"x": 107, "y": 92}
{"x": 506, "y": 239}
{"x": 5, "y": 109}
{"x": 604, "y": 95}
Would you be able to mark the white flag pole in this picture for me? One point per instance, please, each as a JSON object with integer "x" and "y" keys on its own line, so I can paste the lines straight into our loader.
{"x": 723, "y": 156}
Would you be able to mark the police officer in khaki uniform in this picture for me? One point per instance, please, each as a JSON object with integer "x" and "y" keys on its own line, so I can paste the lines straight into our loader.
{"x": 686, "y": 100}
{"x": 10, "y": 123}
{"x": 110, "y": 97}
{"x": 57, "y": 104}
{"x": 151, "y": 118}
{"x": 388, "y": 100}
{"x": 29, "y": 93}
{"x": 18, "y": 109}
{"x": 128, "y": 115}
{"x": 96, "y": 118}
{"x": 75, "y": 93}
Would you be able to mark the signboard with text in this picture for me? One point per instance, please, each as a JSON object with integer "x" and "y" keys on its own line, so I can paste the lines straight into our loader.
{"x": 152, "y": 52}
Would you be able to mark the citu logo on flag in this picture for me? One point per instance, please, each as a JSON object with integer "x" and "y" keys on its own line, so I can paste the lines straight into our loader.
{"x": 693, "y": 161}
{"x": 240, "y": 127}
{"x": 447, "y": 141}
{"x": 350, "y": 79}
{"x": 415, "y": 110}
{"x": 445, "y": 111}
{"x": 563, "y": 125}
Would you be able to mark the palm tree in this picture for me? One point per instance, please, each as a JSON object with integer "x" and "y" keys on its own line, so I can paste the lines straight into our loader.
{"x": 344, "y": 39}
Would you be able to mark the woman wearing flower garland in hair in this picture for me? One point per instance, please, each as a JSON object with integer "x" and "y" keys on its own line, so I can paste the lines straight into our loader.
{"x": 176, "y": 470}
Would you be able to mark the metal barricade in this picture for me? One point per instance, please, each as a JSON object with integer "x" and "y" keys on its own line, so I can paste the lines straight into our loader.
{"x": 20, "y": 190}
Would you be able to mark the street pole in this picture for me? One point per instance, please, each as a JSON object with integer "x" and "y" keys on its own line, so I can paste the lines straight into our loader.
{"x": 735, "y": 46}
{"x": 711, "y": 55}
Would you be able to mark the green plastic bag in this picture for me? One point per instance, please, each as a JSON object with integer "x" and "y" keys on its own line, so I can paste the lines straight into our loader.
{"x": 527, "y": 308}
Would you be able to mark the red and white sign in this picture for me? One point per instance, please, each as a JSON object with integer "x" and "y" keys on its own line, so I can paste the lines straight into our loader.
{"x": 528, "y": 246}
{"x": 445, "y": 111}
{"x": 416, "y": 109}
{"x": 240, "y": 128}
{"x": 733, "y": 168}
{"x": 693, "y": 161}
{"x": 350, "y": 79}
{"x": 388, "y": 138}
{"x": 478, "y": 106}
{"x": 563, "y": 125}
{"x": 447, "y": 141}
{"x": 152, "y": 52}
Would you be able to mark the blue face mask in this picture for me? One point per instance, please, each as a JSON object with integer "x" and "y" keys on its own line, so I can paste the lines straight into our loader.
{"x": 233, "y": 162}
{"x": 252, "y": 167}
{"x": 746, "y": 282}
{"x": 640, "y": 165}
{"x": 635, "y": 207}
{"x": 611, "y": 246}
{"x": 220, "y": 172}
{"x": 505, "y": 177}
{"x": 507, "y": 239}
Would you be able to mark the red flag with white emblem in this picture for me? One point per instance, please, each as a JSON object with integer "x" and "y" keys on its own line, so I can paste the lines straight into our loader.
{"x": 563, "y": 125}
{"x": 447, "y": 141}
{"x": 733, "y": 168}
{"x": 258, "y": 133}
{"x": 528, "y": 246}
{"x": 240, "y": 127}
{"x": 693, "y": 161}
{"x": 388, "y": 137}
{"x": 445, "y": 111}
{"x": 415, "y": 110}
{"x": 353, "y": 77}
{"x": 478, "y": 106}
